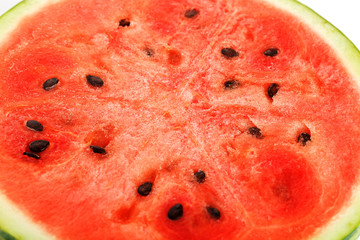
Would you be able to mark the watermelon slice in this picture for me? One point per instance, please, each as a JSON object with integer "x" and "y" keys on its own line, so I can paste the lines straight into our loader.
{"x": 177, "y": 119}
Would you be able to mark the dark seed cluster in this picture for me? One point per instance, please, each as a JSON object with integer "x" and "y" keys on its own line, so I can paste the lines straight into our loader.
{"x": 36, "y": 146}
{"x": 94, "y": 81}
{"x": 176, "y": 211}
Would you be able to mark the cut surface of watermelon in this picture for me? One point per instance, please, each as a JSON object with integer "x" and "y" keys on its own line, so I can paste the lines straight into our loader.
{"x": 177, "y": 119}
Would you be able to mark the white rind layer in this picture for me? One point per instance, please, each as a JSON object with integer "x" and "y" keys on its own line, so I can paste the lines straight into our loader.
{"x": 16, "y": 223}
{"x": 11, "y": 19}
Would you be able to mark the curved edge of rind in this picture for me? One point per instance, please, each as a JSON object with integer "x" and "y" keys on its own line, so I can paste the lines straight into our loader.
{"x": 12, "y": 18}
{"x": 339, "y": 228}
{"x": 354, "y": 235}
{"x": 14, "y": 222}
{"x": 348, "y": 53}
{"x": 346, "y": 222}
{"x": 6, "y": 236}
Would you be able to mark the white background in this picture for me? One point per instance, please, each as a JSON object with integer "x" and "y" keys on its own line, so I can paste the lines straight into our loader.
{"x": 344, "y": 14}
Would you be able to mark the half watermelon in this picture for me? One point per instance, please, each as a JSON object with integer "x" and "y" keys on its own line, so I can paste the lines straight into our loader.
{"x": 177, "y": 119}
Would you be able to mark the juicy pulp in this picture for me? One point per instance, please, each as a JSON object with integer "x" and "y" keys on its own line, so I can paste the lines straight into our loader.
{"x": 163, "y": 113}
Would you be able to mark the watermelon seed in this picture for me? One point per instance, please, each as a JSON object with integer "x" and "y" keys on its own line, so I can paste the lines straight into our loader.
{"x": 94, "y": 81}
{"x": 256, "y": 132}
{"x": 33, "y": 155}
{"x": 97, "y": 149}
{"x": 50, "y": 84}
{"x": 273, "y": 89}
{"x": 124, "y": 23}
{"x": 229, "y": 53}
{"x": 271, "y": 52}
{"x": 231, "y": 84}
{"x": 200, "y": 176}
{"x": 304, "y": 138}
{"x": 145, "y": 189}
{"x": 38, "y": 145}
{"x": 213, "y": 212}
{"x": 175, "y": 212}
{"x": 190, "y": 13}
{"x": 149, "y": 52}
{"x": 34, "y": 125}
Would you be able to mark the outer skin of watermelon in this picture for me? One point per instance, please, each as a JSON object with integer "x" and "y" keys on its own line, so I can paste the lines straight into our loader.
{"x": 163, "y": 113}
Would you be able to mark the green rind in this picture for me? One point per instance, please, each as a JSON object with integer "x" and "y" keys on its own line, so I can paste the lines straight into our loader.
{"x": 346, "y": 225}
{"x": 354, "y": 235}
{"x": 6, "y": 236}
{"x": 14, "y": 222}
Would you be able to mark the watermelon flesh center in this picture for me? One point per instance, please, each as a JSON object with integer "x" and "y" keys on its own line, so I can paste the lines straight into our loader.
{"x": 238, "y": 90}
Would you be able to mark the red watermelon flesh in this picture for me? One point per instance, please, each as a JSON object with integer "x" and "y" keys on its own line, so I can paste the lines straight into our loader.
{"x": 240, "y": 91}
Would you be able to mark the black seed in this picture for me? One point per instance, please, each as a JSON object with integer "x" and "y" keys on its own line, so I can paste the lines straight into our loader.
{"x": 256, "y": 132}
{"x": 229, "y": 53}
{"x": 213, "y": 212}
{"x": 200, "y": 176}
{"x": 273, "y": 89}
{"x": 271, "y": 52}
{"x": 190, "y": 13}
{"x": 124, "y": 23}
{"x": 38, "y": 145}
{"x": 33, "y": 155}
{"x": 34, "y": 125}
{"x": 97, "y": 149}
{"x": 231, "y": 84}
{"x": 175, "y": 212}
{"x": 50, "y": 83}
{"x": 150, "y": 52}
{"x": 95, "y": 81}
{"x": 304, "y": 138}
{"x": 145, "y": 189}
